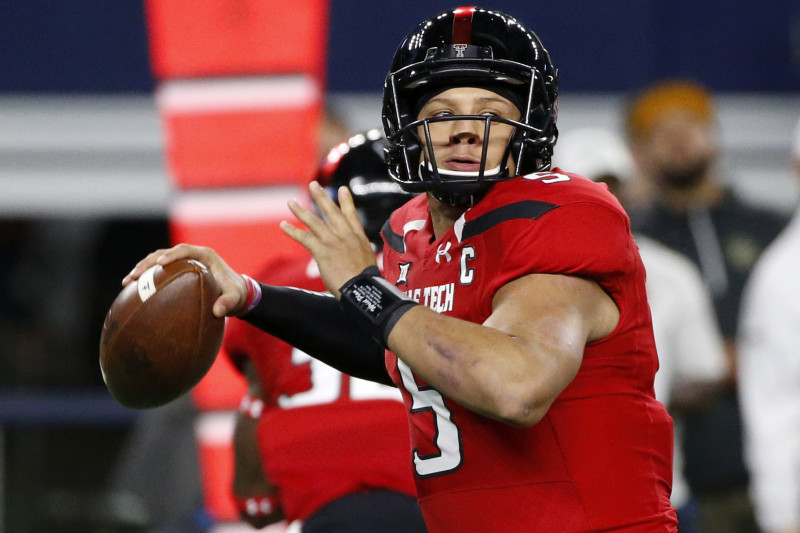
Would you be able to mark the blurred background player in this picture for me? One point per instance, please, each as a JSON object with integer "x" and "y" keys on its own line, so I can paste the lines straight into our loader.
{"x": 691, "y": 355}
{"x": 674, "y": 142}
{"x": 155, "y": 484}
{"x": 769, "y": 378}
{"x": 313, "y": 444}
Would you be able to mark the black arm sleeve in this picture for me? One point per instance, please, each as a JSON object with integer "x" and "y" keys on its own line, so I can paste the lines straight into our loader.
{"x": 315, "y": 323}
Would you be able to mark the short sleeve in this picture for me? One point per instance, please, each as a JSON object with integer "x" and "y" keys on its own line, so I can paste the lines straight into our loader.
{"x": 584, "y": 239}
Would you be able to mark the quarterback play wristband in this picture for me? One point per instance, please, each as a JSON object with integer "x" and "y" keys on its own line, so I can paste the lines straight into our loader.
{"x": 374, "y": 302}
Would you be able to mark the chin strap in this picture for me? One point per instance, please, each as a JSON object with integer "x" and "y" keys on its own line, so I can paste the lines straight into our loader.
{"x": 492, "y": 172}
{"x": 461, "y": 199}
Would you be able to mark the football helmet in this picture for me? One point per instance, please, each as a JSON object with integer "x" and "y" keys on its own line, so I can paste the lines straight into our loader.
{"x": 468, "y": 47}
{"x": 359, "y": 164}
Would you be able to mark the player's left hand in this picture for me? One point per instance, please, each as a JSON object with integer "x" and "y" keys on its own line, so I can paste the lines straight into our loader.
{"x": 231, "y": 283}
{"x": 338, "y": 243}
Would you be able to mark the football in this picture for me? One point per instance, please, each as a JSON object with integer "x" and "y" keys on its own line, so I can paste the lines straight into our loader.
{"x": 160, "y": 336}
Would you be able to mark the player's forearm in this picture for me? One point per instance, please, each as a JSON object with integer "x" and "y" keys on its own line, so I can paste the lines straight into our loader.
{"x": 482, "y": 368}
{"x": 315, "y": 323}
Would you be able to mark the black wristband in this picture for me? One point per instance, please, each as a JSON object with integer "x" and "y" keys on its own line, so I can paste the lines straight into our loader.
{"x": 374, "y": 302}
{"x": 315, "y": 323}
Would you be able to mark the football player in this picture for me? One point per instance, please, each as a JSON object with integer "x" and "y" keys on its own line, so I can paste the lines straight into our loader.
{"x": 313, "y": 445}
{"x": 512, "y": 304}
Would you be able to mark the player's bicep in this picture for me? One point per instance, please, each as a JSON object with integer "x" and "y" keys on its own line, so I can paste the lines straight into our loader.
{"x": 539, "y": 301}
{"x": 553, "y": 317}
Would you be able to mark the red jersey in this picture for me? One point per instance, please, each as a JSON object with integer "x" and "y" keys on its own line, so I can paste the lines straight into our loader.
{"x": 601, "y": 458}
{"x": 323, "y": 434}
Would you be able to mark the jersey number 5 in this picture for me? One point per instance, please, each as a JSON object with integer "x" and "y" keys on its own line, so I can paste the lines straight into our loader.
{"x": 427, "y": 401}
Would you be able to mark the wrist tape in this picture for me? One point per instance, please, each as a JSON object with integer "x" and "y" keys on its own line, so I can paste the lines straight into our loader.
{"x": 374, "y": 302}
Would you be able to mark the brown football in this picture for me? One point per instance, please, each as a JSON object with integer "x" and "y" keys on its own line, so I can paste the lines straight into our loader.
{"x": 160, "y": 336}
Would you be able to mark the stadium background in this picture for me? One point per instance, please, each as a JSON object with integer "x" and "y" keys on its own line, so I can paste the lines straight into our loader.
{"x": 84, "y": 189}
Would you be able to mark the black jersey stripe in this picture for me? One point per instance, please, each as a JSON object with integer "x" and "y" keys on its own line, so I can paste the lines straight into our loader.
{"x": 530, "y": 209}
{"x": 393, "y": 239}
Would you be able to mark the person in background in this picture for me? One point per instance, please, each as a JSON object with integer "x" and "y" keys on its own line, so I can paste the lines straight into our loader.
{"x": 769, "y": 377}
{"x": 155, "y": 484}
{"x": 313, "y": 445}
{"x": 673, "y": 138}
{"x": 691, "y": 354}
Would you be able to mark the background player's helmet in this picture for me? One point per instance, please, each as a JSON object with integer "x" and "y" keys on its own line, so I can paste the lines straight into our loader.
{"x": 359, "y": 164}
{"x": 469, "y": 47}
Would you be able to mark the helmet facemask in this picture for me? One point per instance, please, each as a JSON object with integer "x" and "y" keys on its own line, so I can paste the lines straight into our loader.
{"x": 446, "y": 184}
{"x": 529, "y": 85}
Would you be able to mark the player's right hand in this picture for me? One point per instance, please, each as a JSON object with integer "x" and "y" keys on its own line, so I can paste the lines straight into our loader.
{"x": 230, "y": 282}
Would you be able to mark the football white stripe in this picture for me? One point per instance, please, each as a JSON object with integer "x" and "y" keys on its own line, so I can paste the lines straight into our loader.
{"x": 145, "y": 284}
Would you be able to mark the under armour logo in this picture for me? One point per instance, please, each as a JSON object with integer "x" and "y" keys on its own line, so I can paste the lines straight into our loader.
{"x": 403, "y": 278}
{"x": 460, "y": 49}
{"x": 443, "y": 252}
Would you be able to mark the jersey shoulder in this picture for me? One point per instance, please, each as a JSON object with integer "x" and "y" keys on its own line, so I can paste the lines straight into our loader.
{"x": 414, "y": 209}
{"x": 547, "y": 198}
{"x": 413, "y": 216}
{"x": 556, "y": 187}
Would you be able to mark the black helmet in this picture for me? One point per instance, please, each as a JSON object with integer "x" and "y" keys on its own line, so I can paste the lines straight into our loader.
{"x": 359, "y": 164}
{"x": 469, "y": 47}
